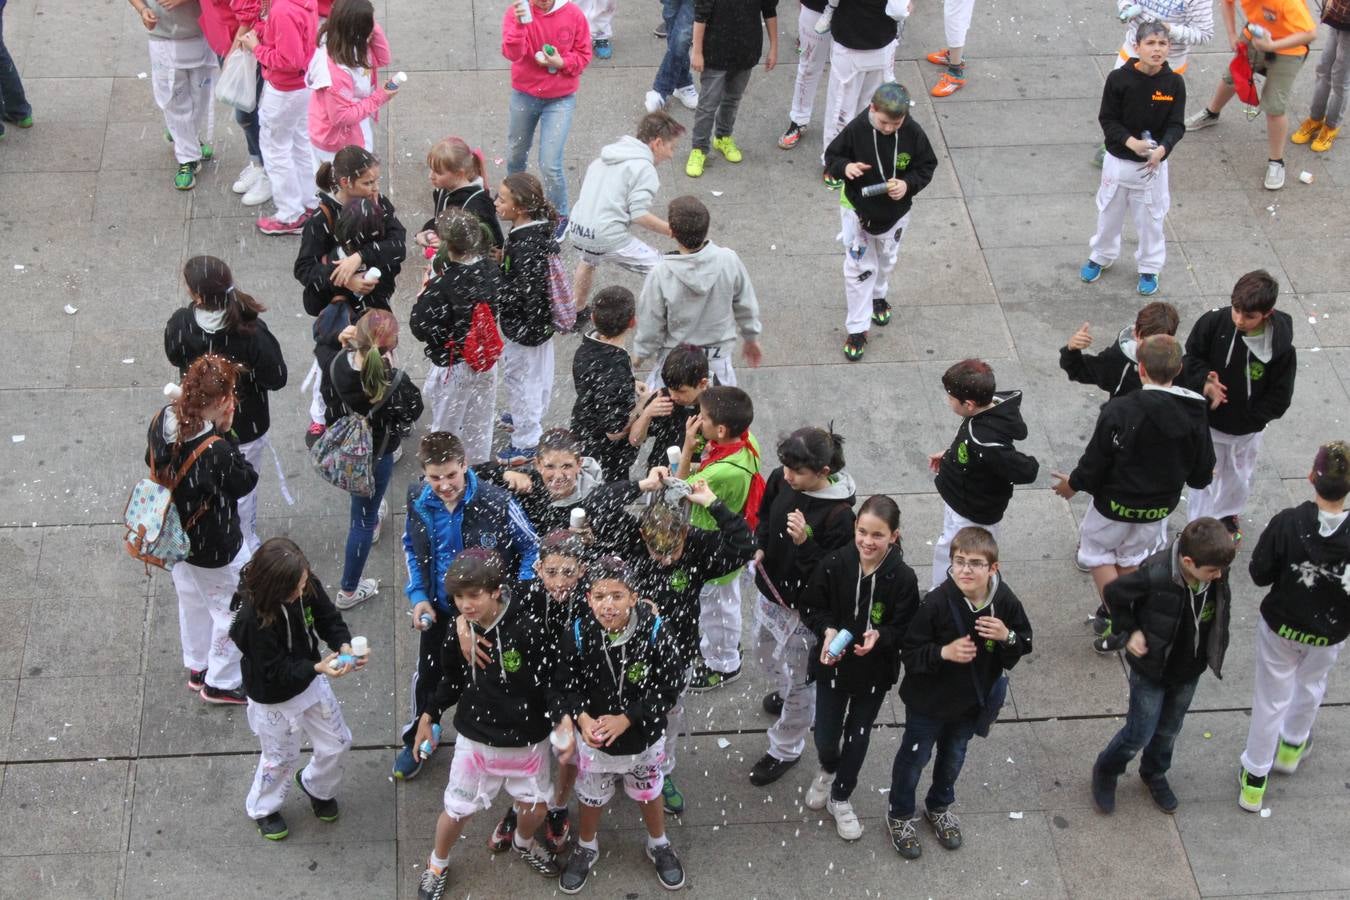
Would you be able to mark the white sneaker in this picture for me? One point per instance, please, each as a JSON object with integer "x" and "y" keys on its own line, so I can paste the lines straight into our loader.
{"x": 365, "y": 589}
{"x": 845, "y": 819}
{"x": 260, "y": 192}
{"x": 1274, "y": 175}
{"x": 379, "y": 522}
{"x": 819, "y": 791}
{"x": 654, "y": 101}
{"x": 688, "y": 95}
{"x": 247, "y": 178}
{"x": 1202, "y": 119}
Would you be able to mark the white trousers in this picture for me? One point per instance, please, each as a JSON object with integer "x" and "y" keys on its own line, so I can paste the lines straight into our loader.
{"x": 1234, "y": 463}
{"x": 600, "y": 15}
{"x": 283, "y": 117}
{"x": 952, "y": 522}
{"x": 313, "y": 382}
{"x": 814, "y": 51}
{"x": 464, "y": 403}
{"x": 869, "y": 260}
{"x": 854, "y": 76}
{"x": 783, "y": 649}
{"x": 528, "y": 373}
{"x": 248, "y": 504}
{"x": 281, "y": 728}
{"x": 204, "y": 619}
{"x": 1291, "y": 679}
{"x": 719, "y": 625}
{"x": 185, "y": 95}
{"x": 1126, "y": 187}
{"x": 675, "y": 726}
{"x": 719, "y": 367}
{"x": 956, "y": 16}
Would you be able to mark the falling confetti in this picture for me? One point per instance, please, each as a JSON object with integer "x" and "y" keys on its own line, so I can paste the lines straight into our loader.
{"x": 718, "y": 193}
{"x": 18, "y": 438}
{"x": 1014, "y": 815}
{"x": 70, "y": 310}
{"x": 142, "y": 75}
{"x": 723, "y": 743}
{"x": 18, "y": 267}
{"x": 128, "y": 361}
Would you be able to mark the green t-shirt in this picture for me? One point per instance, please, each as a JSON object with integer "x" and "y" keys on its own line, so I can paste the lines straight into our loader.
{"x": 729, "y": 479}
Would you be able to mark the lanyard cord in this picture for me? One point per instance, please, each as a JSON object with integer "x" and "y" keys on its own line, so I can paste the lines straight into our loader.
{"x": 1196, "y": 611}
{"x": 876, "y": 149}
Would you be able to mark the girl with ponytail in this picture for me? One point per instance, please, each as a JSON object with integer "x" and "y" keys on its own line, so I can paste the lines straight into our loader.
{"x": 222, "y": 319}
{"x": 361, "y": 378}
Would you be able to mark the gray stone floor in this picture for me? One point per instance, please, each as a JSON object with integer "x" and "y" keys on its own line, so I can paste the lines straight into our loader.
{"x": 115, "y": 783}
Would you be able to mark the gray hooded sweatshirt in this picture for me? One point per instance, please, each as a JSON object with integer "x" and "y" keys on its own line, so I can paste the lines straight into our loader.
{"x": 700, "y": 298}
{"x": 618, "y": 188}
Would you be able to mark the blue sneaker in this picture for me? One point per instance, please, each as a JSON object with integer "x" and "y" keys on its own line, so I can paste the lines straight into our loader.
{"x": 406, "y": 765}
{"x": 560, "y": 230}
{"x": 1148, "y": 284}
{"x": 511, "y": 452}
{"x": 603, "y": 49}
{"x": 1090, "y": 272}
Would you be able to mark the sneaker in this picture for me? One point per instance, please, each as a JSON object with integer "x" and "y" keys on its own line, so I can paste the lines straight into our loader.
{"x": 792, "y": 136}
{"x": 660, "y": 31}
{"x": 512, "y": 455}
{"x": 324, "y": 810}
{"x": 1103, "y": 791}
{"x": 1251, "y": 790}
{"x": 273, "y": 827}
{"x": 185, "y": 179}
{"x": 1325, "y": 138}
{"x": 379, "y": 521}
{"x": 223, "y": 696}
{"x": 905, "y": 836}
{"x": 1161, "y": 792}
{"x": 505, "y": 832}
{"x": 406, "y": 765}
{"x": 21, "y": 121}
{"x": 557, "y": 828}
{"x": 365, "y": 589}
{"x": 1288, "y": 756}
{"x": 946, "y": 827}
{"x": 433, "y": 883}
{"x": 831, "y": 183}
{"x": 1274, "y": 175}
{"x": 818, "y": 794}
{"x": 1148, "y": 283}
{"x": 560, "y": 230}
{"x": 1307, "y": 131}
{"x": 603, "y": 49}
{"x": 1202, "y": 119}
{"x": 727, "y": 147}
{"x": 881, "y": 312}
{"x": 949, "y": 82}
{"x": 854, "y": 346}
{"x": 1091, "y": 271}
{"x": 769, "y": 769}
{"x": 573, "y": 878}
{"x": 670, "y": 794}
{"x": 654, "y": 101}
{"x": 248, "y": 177}
{"x": 207, "y": 151}
{"x": 1110, "y": 643}
{"x": 668, "y": 869}
{"x": 772, "y": 704}
{"x": 315, "y": 431}
{"x": 705, "y": 679}
{"x": 1100, "y": 156}
{"x": 697, "y": 160}
{"x": 687, "y": 95}
{"x": 539, "y": 859}
{"x": 846, "y": 822}
{"x": 260, "y": 192}
{"x": 822, "y": 25}
{"x": 274, "y": 225}
{"x": 506, "y": 423}
{"x": 1100, "y": 624}
{"x": 938, "y": 57}
{"x": 1234, "y": 527}
{"x": 196, "y": 679}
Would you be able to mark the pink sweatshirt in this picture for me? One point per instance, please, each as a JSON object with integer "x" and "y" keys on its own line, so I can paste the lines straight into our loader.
{"x": 565, "y": 27}
{"x": 286, "y": 41}
{"x": 218, "y": 24}
{"x": 335, "y": 114}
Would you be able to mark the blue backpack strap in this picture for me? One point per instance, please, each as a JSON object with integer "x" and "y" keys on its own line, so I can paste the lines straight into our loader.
{"x": 576, "y": 632}
{"x": 656, "y": 627}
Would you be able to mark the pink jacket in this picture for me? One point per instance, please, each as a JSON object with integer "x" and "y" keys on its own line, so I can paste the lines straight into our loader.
{"x": 335, "y": 115}
{"x": 565, "y": 27}
{"x": 286, "y": 41}
{"x": 218, "y": 24}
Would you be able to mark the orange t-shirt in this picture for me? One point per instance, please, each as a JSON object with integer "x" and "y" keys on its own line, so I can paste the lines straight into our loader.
{"x": 1281, "y": 18}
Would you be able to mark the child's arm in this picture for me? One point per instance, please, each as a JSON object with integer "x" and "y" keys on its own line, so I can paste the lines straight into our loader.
{"x": 657, "y": 406}
{"x": 239, "y": 478}
{"x": 523, "y": 539}
{"x": 328, "y": 623}
{"x": 745, "y": 307}
{"x": 921, "y": 167}
{"x": 312, "y": 268}
{"x": 1274, "y": 401}
{"x": 1175, "y": 129}
{"x": 1014, "y": 465}
{"x": 1097, "y": 458}
{"x": 1122, "y": 598}
{"x": 735, "y": 543}
{"x": 921, "y": 648}
{"x": 899, "y": 613}
{"x": 280, "y": 45}
{"x": 1267, "y": 559}
{"x": 840, "y": 153}
{"x": 267, "y": 364}
{"x": 769, "y": 11}
{"x": 1015, "y": 620}
{"x": 1202, "y": 469}
{"x": 148, "y": 17}
{"x": 696, "y": 44}
{"x": 651, "y": 332}
{"x": 814, "y": 599}
{"x": 388, "y": 253}
{"x": 418, "y": 589}
{"x": 578, "y": 56}
{"x": 1110, "y": 113}
{"x": 664, "y": 681}
{"x": 451, "y": 686}
{"x": 653, "y": 223}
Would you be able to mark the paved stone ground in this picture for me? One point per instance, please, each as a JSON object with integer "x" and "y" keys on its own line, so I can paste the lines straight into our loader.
{"x": 117, "y": 784}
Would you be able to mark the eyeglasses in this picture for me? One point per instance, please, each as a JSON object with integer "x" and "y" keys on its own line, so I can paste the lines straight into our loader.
{"x": 974, "y": 565}
{"x": 552, "y": 572}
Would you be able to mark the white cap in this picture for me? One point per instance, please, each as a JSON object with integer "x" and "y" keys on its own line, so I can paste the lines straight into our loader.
{"x": 172, "y": 391}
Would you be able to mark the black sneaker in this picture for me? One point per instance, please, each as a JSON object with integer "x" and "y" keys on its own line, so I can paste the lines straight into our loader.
{"x": 583, "y": 320}
{"x": 324, "y": 810}
{"x": 556, "y": 829}
{"x": 1234, "y": 527}
{"x": 773, "y": 704}
{"x": 769, "y": 769}
{"x": 705, "y": 679}
{"x": 540, "y": 860}
{"x": 1110, "y": 643}
{"x": 433, "y": 883}
{"x": 223, "y": 697}
{"x": 196, "y": 679}
{"x": 668, "y": 868}
{"x": 573, "y": 877}
{"x": 505, "y": 832}
{"x": 660, "y": 31}
{"x": 854, "y": 346}
{"x": 1103, "y": 791}
{"x": 273, "y": 827}
{"x": 881, "y": 312}
{"x": 905, "y": 836}
{"x": 946, "y": 827}
{"x": 1161, "y": 792}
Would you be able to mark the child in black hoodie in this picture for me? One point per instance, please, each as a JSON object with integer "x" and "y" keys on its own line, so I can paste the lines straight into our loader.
{"x": 963, "y": 637}
{"x": 224, "y": 320}
{"x": 1303, "y": 557}
{"x": 976, "y": 474}
{"x": 617, "y": 677}
{"x": 558, "y": 482}
{"x": 867, "y": 589}
{"x": 607, "y": 393}
{"x": 281, "y": 612}
{"x": 1145, "y": 447}
{"x": 806, "y": 512}
{"x": 1244, "y": 358}
{"x": 1116, "y": 369}
{"x": 458, "y": 181}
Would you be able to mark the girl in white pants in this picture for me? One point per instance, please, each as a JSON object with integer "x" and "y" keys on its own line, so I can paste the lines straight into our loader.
{"x": 855, "y": 76}
{"x": 281, "y": 614}
{"x": 813, "y": 49}
{"x": 183, "y": 71}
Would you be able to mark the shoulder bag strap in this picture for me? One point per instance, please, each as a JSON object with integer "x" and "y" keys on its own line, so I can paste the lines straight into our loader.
{"x": 961, "y": 629}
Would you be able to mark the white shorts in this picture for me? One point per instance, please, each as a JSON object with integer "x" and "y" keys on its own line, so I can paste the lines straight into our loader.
{"x": 478, "y": 772}
{"x": 597, "y": 771}
{"x": 1106, "y": 542}
{"x": 635, "y": 256}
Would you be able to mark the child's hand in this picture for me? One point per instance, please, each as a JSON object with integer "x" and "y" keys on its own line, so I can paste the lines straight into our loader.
{"x": 796, "y": 527}
{"x": 825, "y": 658}
{"x": 692, "y": 429}
{"x": 428, "y": 238}
{"x": 588, "y": 728}
{"x": 934, "y": 462}
{"x": 897, "y": 188}
{"x": 771, "y": 60}
{"x": 753, "y": 355}
{"x": 521, "y": 9}
{"x": 420, "y": 609}
{"x": 961, "y": 650}
{"x": 1136, "y": 645}
{"x": 347, "y": 335}
{"x": 148, "y": 18}
{"x": 359, "y": 662}
{"x": 870, "y": 638}
{"x": 345, "y": 269}
{"x": 655, "y": 478}
{"x": 696, "y": 60}
{"x": 702, "y": 495}
{"x": 854, "y": 169}
{"x": 1061, "y": 485}
{"x": 1215, "y": 390}
{"x": 566, "y": 736}
{"x": 249, "y": 40}
{"x": 423, "y": 730}
{"x": 991, "y": 629}
{"x": 473, "y": 647}
{"x": 661, "y": 407}
{"x": 518, "y": 482}
{"x": 610, "y": 728}
{"x": 1081, "y": 339}
{"x": 641, "y": 389}
{"x": 554, "y": 60}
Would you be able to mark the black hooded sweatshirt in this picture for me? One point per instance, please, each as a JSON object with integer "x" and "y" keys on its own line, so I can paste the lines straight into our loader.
{"x": 734, "y": 37}
{"x": 1114, "y": 370}
{"x": 787, "y": 567}
{"x": 188, "y": 336}
{"x": 526, "y": 297}
{"x": 279, "y": 658}
{"x": 443, "y": 311}
{"x": 1146, "y": 446}
{"x": 343, "y": 394}
{"x": 318, "y": 255}
{"x": 978, "y": 471}
{"x": 1133, "y": 103}
{"x": 906, "y": 155}
{"x": 471, "y": 197}
{"x": 212, "y": 486}
{"x": 1308, "y": 573}
{"x": 637, "y": 673}
{"x": 839, "y": 597}
{"x": 862, "y": 25}
{"x": 1259, "y": 390}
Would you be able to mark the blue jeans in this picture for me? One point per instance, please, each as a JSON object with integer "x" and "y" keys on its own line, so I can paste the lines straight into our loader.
{"x": 361, "y": 531}
{"x": 249, "y": 124}
{"x": 554, "y": 118}
{"x": 841, "y": 717}
{"x": 674, "y": 72}
{"x": 921, "y": 733}
{"x": 13, "y": 103}
{"x": 1152, "y": 724}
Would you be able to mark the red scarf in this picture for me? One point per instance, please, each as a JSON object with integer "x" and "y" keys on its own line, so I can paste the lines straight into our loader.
{"x": 714, "y": 452}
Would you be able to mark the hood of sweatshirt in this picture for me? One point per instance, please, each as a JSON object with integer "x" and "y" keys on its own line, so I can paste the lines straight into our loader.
{"x": 318, "y": 76}
{"x": 626, "y": 149}
{"x": 1325, "y": 535}
{"x": 589, "y": 478}
{"x": 1161, "y": 409}
{"x": 697, "y": 271}
{"x": 559, "y": 4}
{"x": 1001, "y": 423}
{"x": 841, "y": 487}
{"x": 209, "y": 321}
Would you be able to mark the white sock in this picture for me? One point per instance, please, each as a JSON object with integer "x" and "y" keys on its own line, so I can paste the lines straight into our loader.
{"x": 438, "y": 862}
{"x": 523, "y": 848}
{"x": 654, "y": 842}
{"x": 592, "y": 845}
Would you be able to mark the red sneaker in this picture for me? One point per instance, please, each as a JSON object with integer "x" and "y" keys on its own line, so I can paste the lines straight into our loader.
{"x": 273, "y": 225}
{"x": 948, "y": 84}
{"x": 938, "y": 58}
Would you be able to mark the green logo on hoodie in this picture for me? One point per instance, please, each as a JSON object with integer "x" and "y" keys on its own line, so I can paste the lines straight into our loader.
{"x": 511, "y": 660}
{"x": 309, "y": 616}
{"x": 636, "y": 672}
{"x": 877, "y": 612}
{"x": 902, "y": 161}
{"x": 962, "y": 453}
{"x": 679, "y": 581}
{"x": 1256, "y": 370}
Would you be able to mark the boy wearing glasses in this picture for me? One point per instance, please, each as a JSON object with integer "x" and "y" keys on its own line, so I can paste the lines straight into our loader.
{"x": 965, "y": 634}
